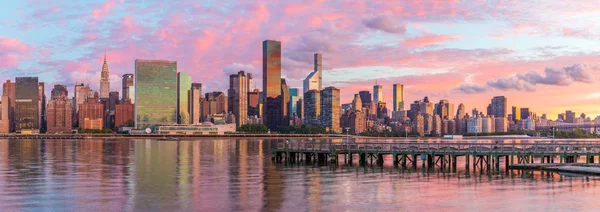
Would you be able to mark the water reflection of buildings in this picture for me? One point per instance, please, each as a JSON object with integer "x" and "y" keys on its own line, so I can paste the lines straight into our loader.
{"x": 76, "y": 174}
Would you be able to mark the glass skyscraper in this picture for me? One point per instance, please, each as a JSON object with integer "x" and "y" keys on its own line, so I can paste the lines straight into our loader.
{"x": 155, "y": 93}
{"x": 184, "y": 85}
{"x": 398, "y": 97}
{"x": 294, "y": 97}
{"x": 273, "y": 100}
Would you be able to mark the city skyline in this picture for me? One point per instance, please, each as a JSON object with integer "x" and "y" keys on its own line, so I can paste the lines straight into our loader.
{"x": 465, "y": 52}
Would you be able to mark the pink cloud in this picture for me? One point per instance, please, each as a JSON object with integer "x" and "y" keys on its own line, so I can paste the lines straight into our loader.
{"x": 427, "y": 40}
{"x": 103, "y": 9}
{"x": 12, "y": 51}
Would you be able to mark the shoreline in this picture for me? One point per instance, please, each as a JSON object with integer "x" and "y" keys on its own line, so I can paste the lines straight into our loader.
{"x": 156, "y": 136}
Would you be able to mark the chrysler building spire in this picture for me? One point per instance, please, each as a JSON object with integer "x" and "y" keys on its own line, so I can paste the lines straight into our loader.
{"x": 104, "y": 81}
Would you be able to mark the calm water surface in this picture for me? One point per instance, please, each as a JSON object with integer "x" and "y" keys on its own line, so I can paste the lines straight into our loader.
{"x": 238, "y": 175}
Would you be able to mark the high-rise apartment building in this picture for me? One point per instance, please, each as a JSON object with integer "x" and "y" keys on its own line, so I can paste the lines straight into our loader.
{"x": 82, "y": 93}
{"x": 124, "y": 114}
{"x": 312, "y": 108}
{"x": 570, "y": 116}
{"x": 91, "y": 114}
{"x": 273, "y": 100}
{"x": 8, "y": 89}
{"x": 104, "y": 80}
{"x": 330, "y": 109}
{"x": 27, "y": 108}
{"x": 5, "y": 110}
{"x": 499, "y": 106}
{"x": 314, "y": 80}
{"x": 398, "y": 97}
{"x": 184, "y": 85}
{"x": 377, "y": 94}
{"x": 444, "y": 109}
{"x": 238, "y": 97}
{"x": 155, "y": 93}
{"x": 194, "y": 105}
{"x": 127, "y": 87}
{"x": 59, "y": 112}
{"x": 427, "y": 107}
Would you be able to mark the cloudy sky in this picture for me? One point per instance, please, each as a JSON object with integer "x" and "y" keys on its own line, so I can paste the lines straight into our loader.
{"x": 540, "y": 54}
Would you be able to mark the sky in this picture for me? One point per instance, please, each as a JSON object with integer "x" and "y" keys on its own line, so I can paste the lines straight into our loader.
{"x": 544, "y": 55}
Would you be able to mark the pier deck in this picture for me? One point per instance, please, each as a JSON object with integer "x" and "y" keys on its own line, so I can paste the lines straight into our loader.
{"x": 443, "y": 154}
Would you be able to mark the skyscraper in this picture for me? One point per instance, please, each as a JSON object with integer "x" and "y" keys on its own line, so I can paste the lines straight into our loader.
{"x": 313, "y": 80}
{"x": 104, "y": 80}
{"x": 398, "y": 97}
{"x": 365, "y": 97}
{"x": 312, "y": 108}
{"x": 127, "y": 87}
{"x": 285, "y": 107}
{"x": 58, "y": 91}
{"x": 330, "y": 109}
{"x": 570, "y": 116}
{"x": 42, "y": 107}
{"x": 194, "y": 109}
{"x": 516, "y": 113}
{"x": 499, "y": 106}
{"x": 377, "y": 94}
{"x": 238, "y": 95}
{"x": 184, "y": 85}
{"x": 294, "y": 97}
{"x": 27, "y": 110}
{"x": 525, "y": 113}
{"x": 155, "y": 93}
{"x": 273, "y": 100}
{"x": 253, "y": 109}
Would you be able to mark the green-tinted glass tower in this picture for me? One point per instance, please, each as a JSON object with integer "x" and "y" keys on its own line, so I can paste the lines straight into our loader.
{"x": 155, "y": 93}
{"x": 184, "y": 85}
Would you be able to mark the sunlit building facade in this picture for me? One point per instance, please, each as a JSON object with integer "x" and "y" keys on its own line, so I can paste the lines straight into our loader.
{"x": 184, "y": 85}
{"x": 194, "y": 105}
{"x": 272, "y": 109}
{"x": 398, "y": 97}
{"x": 155, "y": 93}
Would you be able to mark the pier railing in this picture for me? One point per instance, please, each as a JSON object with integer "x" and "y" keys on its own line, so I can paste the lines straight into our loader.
{"x": 534, "y": 147}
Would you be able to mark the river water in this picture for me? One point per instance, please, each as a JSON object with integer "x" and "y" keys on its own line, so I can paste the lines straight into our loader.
{"x": 239, "y": 175}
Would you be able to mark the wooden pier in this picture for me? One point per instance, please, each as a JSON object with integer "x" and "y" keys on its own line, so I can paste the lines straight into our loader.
{"x": 442, "y": 155}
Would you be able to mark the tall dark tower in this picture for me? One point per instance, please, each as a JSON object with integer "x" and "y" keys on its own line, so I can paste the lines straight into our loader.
{"x": 272, "y": 109}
